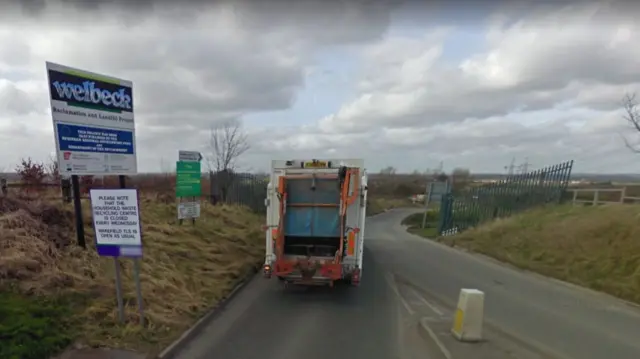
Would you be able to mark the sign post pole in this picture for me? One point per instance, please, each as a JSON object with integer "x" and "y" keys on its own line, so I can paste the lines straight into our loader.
{"x": 116, "y": 265}
{"x": 136, "y": 278}
{"x": 123, "y": 184}
{"x": 77, "y": 208}
{"x": 435, "y": 192}
{"x": 179, "y": 212}
{"x": 427, "y": 200}
{"x": 193, "y": 219}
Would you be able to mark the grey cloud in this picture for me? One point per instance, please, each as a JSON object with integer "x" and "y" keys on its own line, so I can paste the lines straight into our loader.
{"x": 38, "y": 8}
{"x": 322, "y": 22}
{"x": 178, "y": 67}
{"x": 14, "y": 101}
{"x": 186, "y": 74}
{"x": 440, "y": 105}
{"x": 161, "y": 144}
{"x": 480, "y": 144}
{"x": 542, "y": 68}
{"x": 15, "y": 51}
{"x": 187, "y": 78}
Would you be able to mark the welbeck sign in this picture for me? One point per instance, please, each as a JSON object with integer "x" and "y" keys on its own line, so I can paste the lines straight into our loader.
{"x": 116, "y": 221}
{"x": 93, "y": 122}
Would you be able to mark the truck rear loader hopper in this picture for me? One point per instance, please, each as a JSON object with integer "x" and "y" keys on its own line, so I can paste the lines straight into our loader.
{"x": 316, "y": 211}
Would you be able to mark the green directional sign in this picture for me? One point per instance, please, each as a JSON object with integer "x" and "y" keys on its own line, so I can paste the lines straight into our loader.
{"x": 188, "y": 179}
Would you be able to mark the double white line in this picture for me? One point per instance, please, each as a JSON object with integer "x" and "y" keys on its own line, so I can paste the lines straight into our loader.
{"x": 423, "y": 321}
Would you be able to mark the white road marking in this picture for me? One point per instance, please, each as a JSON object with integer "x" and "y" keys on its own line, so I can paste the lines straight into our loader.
{"x": 394, "y": 288}
{"x": 426, "y": 302}
{"x": 434, "y": 337}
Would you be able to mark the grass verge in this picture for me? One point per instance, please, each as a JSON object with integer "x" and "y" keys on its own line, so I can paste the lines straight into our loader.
{"x": 55, "y": 293}
{"x": 32, "y": 327}
{"x": 595, "y": 247}
{"x": 414, "y": 224}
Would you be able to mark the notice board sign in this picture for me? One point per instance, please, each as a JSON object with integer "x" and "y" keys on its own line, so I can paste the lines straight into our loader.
{"x": 436, "y": 190}
{"x": 188, "y": 179}
{"x": 116, "y": 221}
{"x": 187, "y": 210}
{"x": 93, "y": 122}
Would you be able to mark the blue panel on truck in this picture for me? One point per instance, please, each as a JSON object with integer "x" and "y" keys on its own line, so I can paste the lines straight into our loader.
{"x": 326, "y": 222}
{"x": 326, "y": 191}
{"x": 297, "y": 221}
{"x": 299, "y": 191}
{"x": 312, "y": 221}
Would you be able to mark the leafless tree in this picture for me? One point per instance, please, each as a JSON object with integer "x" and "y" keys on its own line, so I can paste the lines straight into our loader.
{"x": 632, "y": 115}
{"x": 460, "y": 178}
{"x": 389, "y": 170}
{"x": 227, "y": 142}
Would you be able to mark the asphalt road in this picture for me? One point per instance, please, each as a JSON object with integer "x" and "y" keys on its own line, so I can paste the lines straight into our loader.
{"x": 376, "y": 320}
{"x": 563, "y": 320}
{"x": 265, "y": 321}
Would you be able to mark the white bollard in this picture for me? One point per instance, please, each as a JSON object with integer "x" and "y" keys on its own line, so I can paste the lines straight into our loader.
{"x": 467, "y": 322}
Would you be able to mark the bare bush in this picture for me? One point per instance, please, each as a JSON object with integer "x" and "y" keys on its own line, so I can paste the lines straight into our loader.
{"x": 227, "y": 142}
{"x": 86, "y": 183}
{"x": 32, "y": 174}
{"x": 632, "y": 116}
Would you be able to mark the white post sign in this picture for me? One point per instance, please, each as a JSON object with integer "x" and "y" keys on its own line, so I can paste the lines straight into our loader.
{"x": 188, "y": 210}
{"x": 189, "y": 156}
{"x": 116, "y": 221}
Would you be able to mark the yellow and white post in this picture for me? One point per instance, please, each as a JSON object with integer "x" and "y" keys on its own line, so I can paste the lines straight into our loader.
{"x": 467, "y": 322}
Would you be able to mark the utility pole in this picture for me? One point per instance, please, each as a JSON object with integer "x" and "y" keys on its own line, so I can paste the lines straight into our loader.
{"x": 511, "y": 167}
{"x": 524, "y": 168}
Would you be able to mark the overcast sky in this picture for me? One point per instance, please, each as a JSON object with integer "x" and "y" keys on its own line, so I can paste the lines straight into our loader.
{"x": 406, "y": 85}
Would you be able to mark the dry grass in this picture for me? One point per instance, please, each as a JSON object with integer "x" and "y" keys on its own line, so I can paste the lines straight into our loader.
{"x": 595, "y": 247}
{"x": 185, "y": 270}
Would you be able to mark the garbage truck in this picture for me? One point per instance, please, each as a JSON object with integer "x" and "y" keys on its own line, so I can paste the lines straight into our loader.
{"x": 315, "y": 221}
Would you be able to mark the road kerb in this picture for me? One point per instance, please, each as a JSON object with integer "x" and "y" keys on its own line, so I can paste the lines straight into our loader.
{"x": 180, "y": 343}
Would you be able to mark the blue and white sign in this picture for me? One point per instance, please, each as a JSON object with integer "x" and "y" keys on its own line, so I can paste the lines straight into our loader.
{"x": 436, "y": 190}
{"x": 93, "y": 122}
{"x": 116, "y": 221}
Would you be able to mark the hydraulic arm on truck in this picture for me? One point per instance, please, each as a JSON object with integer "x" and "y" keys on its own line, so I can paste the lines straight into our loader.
{"x": 315, "y": 221}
